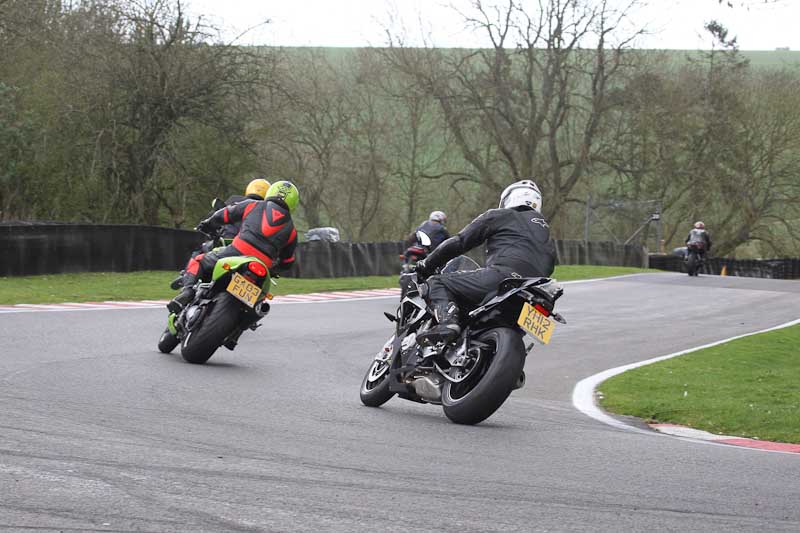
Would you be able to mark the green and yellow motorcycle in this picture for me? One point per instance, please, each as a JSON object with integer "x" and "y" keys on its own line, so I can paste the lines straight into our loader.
{"x": 235, "y": 299}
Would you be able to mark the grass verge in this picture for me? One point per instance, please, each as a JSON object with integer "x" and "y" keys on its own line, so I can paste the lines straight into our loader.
{"x": 154, "y": 285}
{"x": 747, "y": 387}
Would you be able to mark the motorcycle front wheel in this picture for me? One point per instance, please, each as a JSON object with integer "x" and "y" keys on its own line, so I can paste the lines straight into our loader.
{"x": 167, "y": 342}
{"x": 200, "y": 344}
{"x": 375, "y": 385}
{"x": 480, "y": 395}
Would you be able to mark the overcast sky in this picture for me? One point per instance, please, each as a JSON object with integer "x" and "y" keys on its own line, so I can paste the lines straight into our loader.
{"x": 674, "y": 24}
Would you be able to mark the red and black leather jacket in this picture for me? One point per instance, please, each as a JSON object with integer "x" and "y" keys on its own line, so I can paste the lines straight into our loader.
{"x": 267, "y": 230}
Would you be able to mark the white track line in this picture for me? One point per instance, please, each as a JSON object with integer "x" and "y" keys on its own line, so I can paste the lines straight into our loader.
{"x": 310, "y": 298}
{"x": 583, "y": 397}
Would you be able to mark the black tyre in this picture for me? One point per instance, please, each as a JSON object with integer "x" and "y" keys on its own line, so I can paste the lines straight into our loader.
{"x": 203, "y": 341}
{"x": 691, "y": 264}
{"x": 375, "y": 385}
{"x": 167, "y": 342}
{"x": 477, "y": 398}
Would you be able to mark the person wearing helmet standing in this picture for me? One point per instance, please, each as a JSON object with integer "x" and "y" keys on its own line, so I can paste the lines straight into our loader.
{"x": 267, "y": 232}
{"x": 518, "y": 245}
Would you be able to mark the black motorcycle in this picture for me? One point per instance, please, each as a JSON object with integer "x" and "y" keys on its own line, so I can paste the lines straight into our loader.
{"x": 695, "y": 257}
{"x": 472, "y": 376}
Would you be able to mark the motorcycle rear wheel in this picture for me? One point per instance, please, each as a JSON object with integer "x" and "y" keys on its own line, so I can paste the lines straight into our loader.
{"x": 201, "y": 343}
{"x": 692, "y": 264}
{"x": 477, "y": 398}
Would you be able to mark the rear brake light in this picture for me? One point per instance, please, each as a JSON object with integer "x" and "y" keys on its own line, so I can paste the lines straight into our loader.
{"x": 257, "y": 268}
{"x": 542, "y": 310}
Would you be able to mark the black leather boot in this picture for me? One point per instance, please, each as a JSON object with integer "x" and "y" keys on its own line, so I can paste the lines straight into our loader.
{"x": 447, "y": 329}
{"x": 183, "y": 299}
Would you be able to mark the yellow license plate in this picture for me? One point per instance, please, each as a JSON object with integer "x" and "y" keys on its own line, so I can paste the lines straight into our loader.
{"x": 244, "y": 290}
{"x": 535, "y": 323}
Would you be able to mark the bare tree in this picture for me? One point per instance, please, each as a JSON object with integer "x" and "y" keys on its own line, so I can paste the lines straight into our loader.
{"x": 533, "y": 104}
{"x": 155, "y": 72}
{"x": 312, "y": 113}
{"x": 418, "y": 145}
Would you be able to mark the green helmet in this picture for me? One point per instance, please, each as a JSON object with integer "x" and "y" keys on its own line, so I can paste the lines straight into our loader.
{"x": 286, "y": 191}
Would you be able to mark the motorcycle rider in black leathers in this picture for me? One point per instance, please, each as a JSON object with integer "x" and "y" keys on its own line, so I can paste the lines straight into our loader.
{"x": 518, "y": 246}
{"x": 434, "y": 228}
{"x": 436, "y": 231}
{"x": 267, "y": 233}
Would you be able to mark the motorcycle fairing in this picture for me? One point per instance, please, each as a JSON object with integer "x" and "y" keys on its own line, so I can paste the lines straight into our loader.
{"x": 233, "y": 263}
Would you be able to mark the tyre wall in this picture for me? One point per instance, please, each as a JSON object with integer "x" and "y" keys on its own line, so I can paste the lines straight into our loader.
{"x": 28, "y": 249}
{"x": 750, "y": 268}
{"x": 59, "y": 248}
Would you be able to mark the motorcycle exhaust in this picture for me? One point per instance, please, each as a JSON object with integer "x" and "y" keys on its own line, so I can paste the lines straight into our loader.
{"x": 428, "y": 388}
{"x": 262, "y": 309}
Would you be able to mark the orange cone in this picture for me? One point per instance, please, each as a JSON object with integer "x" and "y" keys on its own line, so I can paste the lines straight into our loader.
{"x": 724, "y": 271}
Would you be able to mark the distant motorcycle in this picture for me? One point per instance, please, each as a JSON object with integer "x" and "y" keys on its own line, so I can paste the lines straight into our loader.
{"x": 474, "y": 375}
{"x": 416, "y": 252}
{"x": 233, "y": 301}
{"x": 695, "y": 257}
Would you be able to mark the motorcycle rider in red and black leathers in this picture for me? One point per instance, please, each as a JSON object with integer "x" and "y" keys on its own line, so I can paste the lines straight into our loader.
{"x": 518, "y": 245}
{"x": 267, "y": 232}
{"x": 256, "y": 190}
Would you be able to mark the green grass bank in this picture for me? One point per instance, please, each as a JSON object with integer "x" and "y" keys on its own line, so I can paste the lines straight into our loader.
{"x": 154, "y": 285}
{"x": 748, "y": 387}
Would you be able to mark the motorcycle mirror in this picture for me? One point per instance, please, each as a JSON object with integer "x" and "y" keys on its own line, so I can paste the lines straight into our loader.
{"x": 217, "y": 204}
{"x": 423, "y": 238}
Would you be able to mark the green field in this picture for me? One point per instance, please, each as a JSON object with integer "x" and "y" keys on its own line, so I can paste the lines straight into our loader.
{"x": 748, "y": 387}
{"x": 154, "y": 285}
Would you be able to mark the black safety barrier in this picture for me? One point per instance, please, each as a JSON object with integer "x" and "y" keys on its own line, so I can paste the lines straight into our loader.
{"x": 323, "y": 259}
{"x": 56, "y": 248}
{"x": 569, "y": 252}
{"x": 749, "y": 268}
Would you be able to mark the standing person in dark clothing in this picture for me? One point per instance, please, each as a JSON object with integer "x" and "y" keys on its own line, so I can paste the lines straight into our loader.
{"x": 518, "y": 245}
{"x": 267, "y": 233}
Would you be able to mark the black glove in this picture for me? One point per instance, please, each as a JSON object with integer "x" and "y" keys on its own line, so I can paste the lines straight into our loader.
{"x": 422, "y": 269}
{"x": 204, "y": 226}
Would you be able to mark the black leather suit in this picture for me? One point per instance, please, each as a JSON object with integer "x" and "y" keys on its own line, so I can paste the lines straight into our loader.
{"x": 518, "y": 244}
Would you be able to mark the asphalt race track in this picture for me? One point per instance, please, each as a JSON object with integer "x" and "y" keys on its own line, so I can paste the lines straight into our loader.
{"x": 100, "y": 432}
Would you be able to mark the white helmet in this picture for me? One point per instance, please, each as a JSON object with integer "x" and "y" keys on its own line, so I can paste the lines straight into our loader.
{"x": 438, "y": 216}
{"x": 524, "y": 192}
